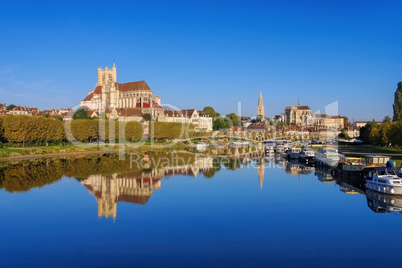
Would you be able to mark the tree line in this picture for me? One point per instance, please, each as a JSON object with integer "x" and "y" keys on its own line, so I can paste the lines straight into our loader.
{"x": 384, "y": 134}
{"x": 30, "y": 129}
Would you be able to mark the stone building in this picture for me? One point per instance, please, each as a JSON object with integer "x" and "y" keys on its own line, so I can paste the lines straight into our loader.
{"x": 109, "y": 94}
{"x": 298, "y": 115}
{"x": 201, "y": 121}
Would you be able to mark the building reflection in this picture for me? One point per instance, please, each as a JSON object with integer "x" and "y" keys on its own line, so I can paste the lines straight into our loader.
{"x": 297, "y": 169}
{"x": 261, "y": 171}
{"x": 136, "y": 187}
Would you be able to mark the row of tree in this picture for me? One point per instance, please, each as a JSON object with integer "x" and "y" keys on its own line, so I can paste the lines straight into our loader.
{"x": 22, "y": 128}
{"x": 385, "y": 134}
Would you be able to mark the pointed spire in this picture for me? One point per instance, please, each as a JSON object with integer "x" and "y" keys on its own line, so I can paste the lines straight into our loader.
{"x": 260, "y": 108}
{"x": 298, "y": 101}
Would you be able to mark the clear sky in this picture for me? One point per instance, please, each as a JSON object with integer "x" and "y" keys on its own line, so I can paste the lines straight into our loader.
{"x": 207, "y": 53}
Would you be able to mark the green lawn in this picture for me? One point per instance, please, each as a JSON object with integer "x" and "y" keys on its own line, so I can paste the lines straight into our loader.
{"x": 369, "y": 149}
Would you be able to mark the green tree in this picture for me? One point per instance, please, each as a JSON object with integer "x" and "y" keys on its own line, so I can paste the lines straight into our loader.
{"x": 232, "y": 117}
{"x": 398, "y": 103}
{"x": 9, "y": 107}
{"x": 147, "y": 117}
{"x": 209, "y": 111}
{"x": 1, "y": 130}
{"x": 220, "y": 123}
{"x": 387, "y": 119}
{"x": 80, "y": 113}
{"x": 47, "y": 115}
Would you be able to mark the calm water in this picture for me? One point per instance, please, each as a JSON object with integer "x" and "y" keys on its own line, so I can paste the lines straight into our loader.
{"x": 102, "y": 212}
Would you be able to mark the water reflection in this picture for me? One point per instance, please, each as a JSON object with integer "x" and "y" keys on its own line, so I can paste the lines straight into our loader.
{"x": 138, "y": 187}
{"x": 380, "y": 203}
{"x": 112, "y": 180}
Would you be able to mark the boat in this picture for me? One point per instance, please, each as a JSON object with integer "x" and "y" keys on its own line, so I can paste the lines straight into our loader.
{"x": 355, "y": 167}
{"x": 269, "y": 147}
{"x": 240, "y": 143}
{"x": 327, "y": 156}
{"x": 293, "y": 153}
{"x": 384, "y": 180}
{"x": 201, "y": 147}
{"x": 307, "y": 155}
{"x": 281, "y": 146}
{"x": 399, "y": 172}
{"x": 349, "y": 167}
{"x": 377, "y": 160}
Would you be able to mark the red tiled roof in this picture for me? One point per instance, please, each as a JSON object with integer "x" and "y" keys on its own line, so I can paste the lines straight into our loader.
{"x": 129, "y": 112}
{"x": 98, "y": 90}
{"x": 89, "y": 97}
{"x": 132, "y": 86}
{"x": 171, "y": 113}
{"x": 142, "y": 200}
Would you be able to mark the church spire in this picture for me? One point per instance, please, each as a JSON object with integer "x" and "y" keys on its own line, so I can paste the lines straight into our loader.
{"x": 260, "y": 109}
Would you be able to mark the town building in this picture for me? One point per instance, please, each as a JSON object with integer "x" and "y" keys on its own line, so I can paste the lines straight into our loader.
{"x": 200, "y": 120}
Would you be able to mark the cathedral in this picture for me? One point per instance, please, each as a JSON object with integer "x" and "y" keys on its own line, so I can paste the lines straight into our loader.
{"x": 133, "y": 97}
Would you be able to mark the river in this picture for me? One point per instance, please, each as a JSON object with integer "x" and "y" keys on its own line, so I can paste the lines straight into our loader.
{"x": 180, "y": 209}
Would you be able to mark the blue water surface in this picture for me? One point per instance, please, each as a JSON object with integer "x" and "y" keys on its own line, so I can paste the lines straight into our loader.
{"x": 228, "y": 220}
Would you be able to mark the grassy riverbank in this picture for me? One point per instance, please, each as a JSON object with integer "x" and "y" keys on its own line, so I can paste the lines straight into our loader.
{"x": 362, "y": 150}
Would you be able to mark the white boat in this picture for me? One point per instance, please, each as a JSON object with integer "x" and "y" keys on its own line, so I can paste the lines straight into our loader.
{"x": 307, "y": 155}
{"x": 384, "y": 180}
{"x": 327, "y": 156}
{"x": 399, "y": 172}
{"x": 293, "y": 153}
{"x": 269, "y": 147}
{"x": 281, "y": 146}
{"x": 201, "y": 147}
{"x": 240, "y": 143}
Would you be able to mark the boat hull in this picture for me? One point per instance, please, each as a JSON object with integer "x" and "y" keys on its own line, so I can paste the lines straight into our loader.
{"x": 384, "y": 189}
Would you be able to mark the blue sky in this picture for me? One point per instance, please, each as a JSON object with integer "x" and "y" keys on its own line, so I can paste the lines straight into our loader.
{"x": 207, "y": 53}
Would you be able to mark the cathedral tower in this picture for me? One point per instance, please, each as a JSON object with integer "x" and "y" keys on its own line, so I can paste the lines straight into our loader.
{"x": 106, "y": 75}
{"x": 260, "y": 109}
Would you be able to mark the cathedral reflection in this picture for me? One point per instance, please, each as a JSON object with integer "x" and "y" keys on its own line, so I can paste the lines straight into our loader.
{"x": 137, "y": 187}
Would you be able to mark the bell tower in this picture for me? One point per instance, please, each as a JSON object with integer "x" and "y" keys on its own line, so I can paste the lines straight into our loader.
{"x": 107, "y": 75}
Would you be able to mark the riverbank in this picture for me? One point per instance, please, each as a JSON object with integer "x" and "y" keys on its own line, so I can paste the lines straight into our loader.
{"x": 363, "y": 150}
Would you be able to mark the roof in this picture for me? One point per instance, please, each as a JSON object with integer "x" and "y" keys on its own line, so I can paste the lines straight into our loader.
{"x": 188, "y": 112}
{"x": 183, "y": 113}
{"x": 98, "y": 90}
{"x": 132, "y": 86}
{"x": 129, "y": 112}
{"x": 89, "y": 97}
{"x": 298, "y": 107}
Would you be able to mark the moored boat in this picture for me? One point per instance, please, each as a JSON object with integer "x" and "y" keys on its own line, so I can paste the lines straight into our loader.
{"x": 269, "y": 147}
{"x": 201, "y": 147}
{"x": 293, "y": 153}
{"x": 307, "y": 155}
{"x": 384, "y": 180}
{"x": 240, "y": 143}
{"x": 327, "y": 156}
